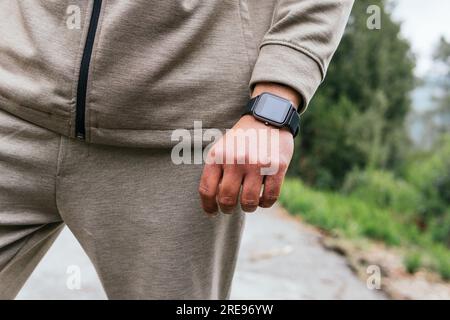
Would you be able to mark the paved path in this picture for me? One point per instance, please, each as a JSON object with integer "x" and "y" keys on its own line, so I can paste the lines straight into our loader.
{"x": 279, "y": 259}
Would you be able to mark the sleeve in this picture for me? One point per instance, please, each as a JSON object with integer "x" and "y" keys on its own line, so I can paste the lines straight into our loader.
{"x": 299, "y": 45}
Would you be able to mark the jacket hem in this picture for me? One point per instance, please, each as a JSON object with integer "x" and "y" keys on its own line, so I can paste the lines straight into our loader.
{"x": 149, "y": 138}
{"x": 53, "y": 122}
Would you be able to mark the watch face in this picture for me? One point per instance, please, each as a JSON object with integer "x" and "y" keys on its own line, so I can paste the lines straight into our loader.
{"x": 272, "y": 108}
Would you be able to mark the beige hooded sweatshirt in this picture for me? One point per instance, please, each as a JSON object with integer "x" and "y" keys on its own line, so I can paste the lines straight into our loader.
{"x": 128, "y": 73}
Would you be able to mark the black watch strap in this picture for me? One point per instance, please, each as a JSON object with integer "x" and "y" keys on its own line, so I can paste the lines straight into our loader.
{"x": 249, "y": 106}
{"x": 294, "y": 123}
{"x": 294, "y": 118}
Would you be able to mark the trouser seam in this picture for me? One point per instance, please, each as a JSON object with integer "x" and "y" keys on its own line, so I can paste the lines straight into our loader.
{"x": 58, "y": 170}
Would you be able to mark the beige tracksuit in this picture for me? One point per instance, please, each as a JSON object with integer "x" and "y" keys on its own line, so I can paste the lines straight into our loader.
{"x": 120, "y": 76}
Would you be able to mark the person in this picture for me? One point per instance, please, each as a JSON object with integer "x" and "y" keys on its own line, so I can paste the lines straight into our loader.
{"x": 91, "y": 93}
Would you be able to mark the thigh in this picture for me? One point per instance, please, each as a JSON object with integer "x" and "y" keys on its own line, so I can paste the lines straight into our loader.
{"x": 29, "y": 219}
{"x": 138, "y": 217}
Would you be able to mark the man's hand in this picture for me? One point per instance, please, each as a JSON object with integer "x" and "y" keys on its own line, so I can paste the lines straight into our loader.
{"x": 229, "y": 166}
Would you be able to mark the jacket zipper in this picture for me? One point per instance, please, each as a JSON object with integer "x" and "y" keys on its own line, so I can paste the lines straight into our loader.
{"x": 80, "y": 116}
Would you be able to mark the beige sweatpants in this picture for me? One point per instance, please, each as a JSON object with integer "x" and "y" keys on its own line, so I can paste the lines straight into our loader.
{"x": 135, "y": 213}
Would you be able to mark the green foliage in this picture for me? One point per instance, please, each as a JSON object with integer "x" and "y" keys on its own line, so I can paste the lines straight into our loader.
{"x": 356, "y": 118}
{"x": 442, "y": 261}
{"x": 351, "y": 217}
{"x": 442, "y": 52}
{"x": 442, "y": 112}
{"x": 382, "y": 189}
{"x": 354, "y": 140}
{"x": 444, "y": 269}
{"x": 326, "y": 154}
{"x": 430, "y": 173}
{"x": 440, "y": 228}
{"x": 413, "y": 262}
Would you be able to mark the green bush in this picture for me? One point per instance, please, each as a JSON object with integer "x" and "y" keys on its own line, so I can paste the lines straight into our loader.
{"x": 382, "y": 189}
{"x": 444, "y": 268}
{"x": 348, "y": 215}
{"x": 440, "y": 229}
{"x": 441, "y": 263}
{"x": 352, "y": 217}
{"x": 413, "y": 262}
{"x": 356, "y": 119}
{"x": 430, "y": 173}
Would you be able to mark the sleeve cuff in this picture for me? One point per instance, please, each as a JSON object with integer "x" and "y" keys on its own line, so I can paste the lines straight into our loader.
{"x": 282, "y": 64}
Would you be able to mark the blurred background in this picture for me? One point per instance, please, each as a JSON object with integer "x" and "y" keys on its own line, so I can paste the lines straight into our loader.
{"x": 365, "y": 211}
{"x": 373, "y": 161}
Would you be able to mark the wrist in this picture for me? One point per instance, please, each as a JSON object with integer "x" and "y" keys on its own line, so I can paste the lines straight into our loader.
{"x": 279, "y": 90}
{"x": 271, "y": 108}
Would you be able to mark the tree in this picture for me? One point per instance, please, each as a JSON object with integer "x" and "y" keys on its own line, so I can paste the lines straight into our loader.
{"x": 442, "y": 111}
{"x": 357, "y": 118}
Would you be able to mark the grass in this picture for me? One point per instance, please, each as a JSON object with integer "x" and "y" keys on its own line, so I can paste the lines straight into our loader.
{"x": 350, "y": 217}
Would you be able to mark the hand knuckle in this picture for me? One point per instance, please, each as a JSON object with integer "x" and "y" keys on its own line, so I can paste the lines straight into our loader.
{"x": 227, "y": 201}
{"x": 282, "y": 165}
{"x": 216, "y": 155}
{"x": 275, "y": 164}
{"x": 242, "y": 158}
{"x": 205, "y": 192}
